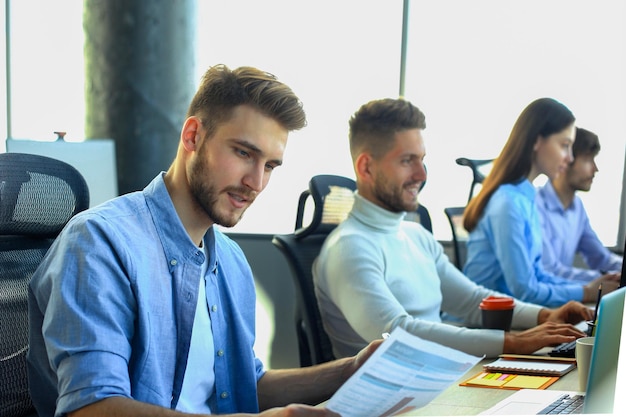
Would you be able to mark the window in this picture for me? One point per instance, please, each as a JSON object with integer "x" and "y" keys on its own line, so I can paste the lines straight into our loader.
{"x": 474, "y": 65}
{"x": 471, "y": 67}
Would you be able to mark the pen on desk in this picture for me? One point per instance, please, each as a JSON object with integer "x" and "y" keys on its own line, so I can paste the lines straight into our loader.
{"x": 595, "y": 314}
{"x": 592, "y": 326}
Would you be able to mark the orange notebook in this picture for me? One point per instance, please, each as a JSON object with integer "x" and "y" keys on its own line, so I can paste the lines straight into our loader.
{"x": 508, "y": 381}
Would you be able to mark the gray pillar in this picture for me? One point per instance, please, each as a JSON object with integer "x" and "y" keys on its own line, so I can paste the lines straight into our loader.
{"x": 139, "y": 80}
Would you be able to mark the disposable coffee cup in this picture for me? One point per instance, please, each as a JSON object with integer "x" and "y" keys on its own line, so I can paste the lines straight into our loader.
{"x": 497, "y": 312}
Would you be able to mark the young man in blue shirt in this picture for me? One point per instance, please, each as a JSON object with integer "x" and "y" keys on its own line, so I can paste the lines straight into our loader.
{"x": 565, "y": 224}
{"x": 142, "y": 307}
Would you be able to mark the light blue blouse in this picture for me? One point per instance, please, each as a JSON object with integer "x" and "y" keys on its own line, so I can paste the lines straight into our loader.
{"x": 504, "y": 250}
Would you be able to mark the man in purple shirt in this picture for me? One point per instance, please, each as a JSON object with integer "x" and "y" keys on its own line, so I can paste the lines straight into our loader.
{"x": 565, "y": 225}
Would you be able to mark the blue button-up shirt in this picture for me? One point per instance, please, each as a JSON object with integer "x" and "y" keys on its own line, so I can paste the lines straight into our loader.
{"x": 504, "y": 250}
{"x": 567, "y": 232}
{"x": 112, "y": 308}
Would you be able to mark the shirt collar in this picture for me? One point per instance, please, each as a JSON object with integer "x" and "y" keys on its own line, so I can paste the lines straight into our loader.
{"x": 174, "y": 238}
{"x": 550, "y": 198}
{"x": 526, "y": 188}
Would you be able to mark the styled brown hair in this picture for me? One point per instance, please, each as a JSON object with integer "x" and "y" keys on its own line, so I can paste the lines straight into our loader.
{"x": 373, "y": 126}
{"x": 540, "y": 119}
{"x": 586, "y": 143}
{"x": 223, "y": 89}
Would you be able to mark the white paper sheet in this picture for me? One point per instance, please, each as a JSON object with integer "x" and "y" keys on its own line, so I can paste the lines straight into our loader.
{"x": 405, "y": 373}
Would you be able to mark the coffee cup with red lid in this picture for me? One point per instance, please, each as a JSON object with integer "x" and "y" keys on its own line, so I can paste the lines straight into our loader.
{"x": 497, "y": 312}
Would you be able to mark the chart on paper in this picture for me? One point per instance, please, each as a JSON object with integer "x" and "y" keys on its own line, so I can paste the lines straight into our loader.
{"x": 405, "y": 373}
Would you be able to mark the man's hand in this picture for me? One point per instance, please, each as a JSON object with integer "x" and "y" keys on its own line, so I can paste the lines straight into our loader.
{"x": 298, "y": 410}
{"x": 359, "y": 359}
{"x": 310, "y": 384}
{"x": 609, "y": 282}
{"x": 571, "y": 312}
{"x": 546, "y": 334}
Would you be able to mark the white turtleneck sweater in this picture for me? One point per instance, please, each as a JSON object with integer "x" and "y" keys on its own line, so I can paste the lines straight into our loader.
{"x": 376, "y": 272}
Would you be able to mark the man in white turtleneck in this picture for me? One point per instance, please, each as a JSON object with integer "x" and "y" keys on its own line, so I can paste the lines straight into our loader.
{"x": 377, "y": 271}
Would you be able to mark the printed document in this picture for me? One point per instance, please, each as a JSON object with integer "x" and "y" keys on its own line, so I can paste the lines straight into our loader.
{"x": 405, "y": 373}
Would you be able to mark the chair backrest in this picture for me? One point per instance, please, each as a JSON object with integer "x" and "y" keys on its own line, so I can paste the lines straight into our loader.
{"x": 459, "y": 234}
{"x": 38, "y": 195}
{"x": 333, "y": 197}
{"x": 479, "y": 167}
{"x": 422, "y": 216}
{"x": 330, "y": 208}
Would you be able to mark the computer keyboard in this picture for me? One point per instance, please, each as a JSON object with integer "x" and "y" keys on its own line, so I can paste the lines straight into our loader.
{"x": 564, "y": 350}
{"x": 565, "y": 405}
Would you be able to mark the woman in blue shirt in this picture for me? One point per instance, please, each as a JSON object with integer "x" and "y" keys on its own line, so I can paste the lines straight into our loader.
{"x": 505, "y": 242}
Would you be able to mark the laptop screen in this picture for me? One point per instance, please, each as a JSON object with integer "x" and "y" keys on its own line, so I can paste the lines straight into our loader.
{"x": 622, "y": 281}
{"x": 600, "y": 395}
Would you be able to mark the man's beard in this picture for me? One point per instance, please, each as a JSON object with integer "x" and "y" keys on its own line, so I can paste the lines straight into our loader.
{"x": 207, "y": 196}
{"x": 391, "y": 197}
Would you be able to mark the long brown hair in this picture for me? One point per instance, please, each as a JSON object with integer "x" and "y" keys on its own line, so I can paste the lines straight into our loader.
{"x": 540, "y": 119}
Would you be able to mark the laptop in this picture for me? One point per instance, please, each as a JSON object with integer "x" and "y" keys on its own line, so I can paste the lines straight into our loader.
{"x": 600, "y": 395}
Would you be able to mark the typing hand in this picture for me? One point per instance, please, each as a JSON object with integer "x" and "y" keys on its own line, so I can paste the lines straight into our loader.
{"x": 546, "y": 334}
{"x": 571, "y": 312}
{"x": 609, "y": 282}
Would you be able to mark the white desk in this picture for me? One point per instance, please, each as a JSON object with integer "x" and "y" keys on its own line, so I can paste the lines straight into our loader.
{"x": 466, "y": 401}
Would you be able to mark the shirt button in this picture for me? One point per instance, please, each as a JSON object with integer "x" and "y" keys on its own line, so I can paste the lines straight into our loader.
{"x": 214, "y": 308}
{"x": 173, "y": 262}
{"x": 220, "y": 352}
{"x": 224, "y": 394}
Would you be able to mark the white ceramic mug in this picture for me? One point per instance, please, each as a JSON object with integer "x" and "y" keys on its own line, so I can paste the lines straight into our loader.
{"x": 584, "y": 347}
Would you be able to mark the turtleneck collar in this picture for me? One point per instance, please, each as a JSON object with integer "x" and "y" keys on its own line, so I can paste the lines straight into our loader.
{"x": 375, "y": 216}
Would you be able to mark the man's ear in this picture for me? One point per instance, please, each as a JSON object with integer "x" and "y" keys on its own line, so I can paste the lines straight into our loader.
{"x": 363, "y": 166}
{"x": 190, "y": 134}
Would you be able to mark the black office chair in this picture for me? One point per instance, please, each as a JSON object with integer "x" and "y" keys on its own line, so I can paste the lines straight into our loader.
{"x": 38, "y": 195}
{"x": 459, "y": 234}
{"x": 479, "y": 167}
{"x": 332, "y": 198}
{"x": 422, "y": 216}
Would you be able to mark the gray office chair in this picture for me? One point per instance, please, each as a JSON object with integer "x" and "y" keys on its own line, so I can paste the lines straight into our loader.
{"x": 332, "y": 198}
{"x": 38, "y": 195}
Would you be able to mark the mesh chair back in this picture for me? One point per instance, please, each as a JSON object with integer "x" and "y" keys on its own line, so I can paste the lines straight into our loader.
{"x": 38, "y": 195}
{"x": 332, "y": 196}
